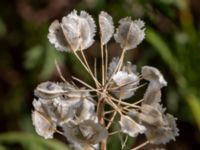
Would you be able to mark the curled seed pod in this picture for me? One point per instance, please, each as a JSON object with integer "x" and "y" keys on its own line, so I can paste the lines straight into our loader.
{"x": 152, "y": 95}
{"x": 153, "y": 74}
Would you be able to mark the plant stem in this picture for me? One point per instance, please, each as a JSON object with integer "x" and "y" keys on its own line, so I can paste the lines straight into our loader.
{"x": 141, "y": 145}
{"x": 100, "y": 114}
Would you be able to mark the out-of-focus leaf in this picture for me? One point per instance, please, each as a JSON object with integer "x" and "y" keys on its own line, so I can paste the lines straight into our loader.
{"x": 33, "y": 56}
{"x": 2, "y": 147}
{"x": 49, "y": 61}
{"x": 194, "y": 103}
{"x": 3, "y": 28}
{"x": 181, "y": 4}
{"x": 172, "y": 100}
{"x": 161, "y": 47}
{"x": 78, "y": 68}
{"x": 30, "y": 142}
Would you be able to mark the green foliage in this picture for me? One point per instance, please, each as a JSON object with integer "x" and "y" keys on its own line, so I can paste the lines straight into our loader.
{"x": 27, "y": 141}
{"x": 162, "y": 48}
{"x": 42, "y": 57}
{"x": 3, "y": 29}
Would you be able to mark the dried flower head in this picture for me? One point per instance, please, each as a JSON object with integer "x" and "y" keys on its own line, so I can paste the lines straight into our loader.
{"x": 80, "y": 111}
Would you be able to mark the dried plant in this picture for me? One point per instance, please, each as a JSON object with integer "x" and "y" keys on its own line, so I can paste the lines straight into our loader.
{"x": 80, "y": 112}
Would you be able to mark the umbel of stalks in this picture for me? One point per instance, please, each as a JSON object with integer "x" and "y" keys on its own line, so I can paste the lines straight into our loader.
{"x": 79, "y": 112}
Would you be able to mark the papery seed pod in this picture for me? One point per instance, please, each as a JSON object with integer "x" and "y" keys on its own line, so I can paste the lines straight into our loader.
{"x": 47, "y": 108}
{"x": 43, "y": 125}
{"x": 126, "y": 81}
{"x": 129, "y": 33}
{"x": 49, "y": 87}
{"x": 86, "y": 111}
{"x": 57, "y": 38}
{"x": 70, "y": 27}
{"x": 86, "y": 132}
{"x": 125, "y": 84}
{"x": 152, "y": 95}
{"x": 153, "y": 74}
{"x": 130, "y": 68}
{"x": 163, "y": 135}
{"x": 130, "y": 127}
{"x": 94, "y": 132}
{"x": 67, "y": 109}
{"x": 87, "y": 31}
{"x": 151, "y": 115}
{"x": 112, "y": 66}
{"x": 63, "y": 102}
{"x": 106, "y": 27}
{"x": 78, "y": 30}
{"x": 48, "y": 90}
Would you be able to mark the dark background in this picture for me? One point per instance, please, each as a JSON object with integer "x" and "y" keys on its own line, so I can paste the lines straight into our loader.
{"x": 172, "y": 44}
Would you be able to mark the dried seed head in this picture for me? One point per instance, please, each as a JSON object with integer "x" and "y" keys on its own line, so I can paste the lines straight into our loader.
{"x": 129, "y": 33}
{"x": 73, "y": 109}
{"x": 106, "y": 27}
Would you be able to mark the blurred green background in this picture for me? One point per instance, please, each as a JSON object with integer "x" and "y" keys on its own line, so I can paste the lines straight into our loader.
{"x": 172, "y": 44}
